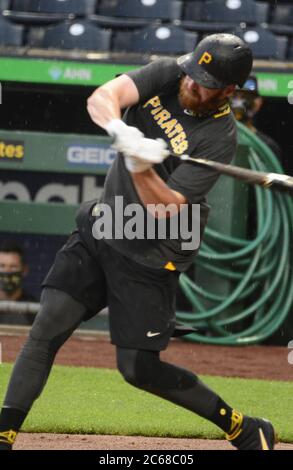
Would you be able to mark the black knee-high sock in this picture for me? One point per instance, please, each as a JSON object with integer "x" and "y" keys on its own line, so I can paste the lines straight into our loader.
{"x": 145, "y": 370}
{"x": 11, "y": 418}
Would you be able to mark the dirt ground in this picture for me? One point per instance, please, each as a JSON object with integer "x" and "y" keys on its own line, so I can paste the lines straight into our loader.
{"x": 262, "y": 362}
{"x": 89, "y": 442}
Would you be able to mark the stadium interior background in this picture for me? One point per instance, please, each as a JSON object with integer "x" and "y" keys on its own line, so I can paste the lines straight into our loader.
{"x": 61, "y": 108}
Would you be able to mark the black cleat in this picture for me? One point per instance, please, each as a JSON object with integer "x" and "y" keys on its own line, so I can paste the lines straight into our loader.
{"x": 5, "y": 446}
{"x": 251, "y": 433}
{"x": 7, "y": 439}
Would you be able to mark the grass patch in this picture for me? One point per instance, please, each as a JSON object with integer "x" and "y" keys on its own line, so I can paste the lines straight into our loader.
{"x": 98, "y": 401}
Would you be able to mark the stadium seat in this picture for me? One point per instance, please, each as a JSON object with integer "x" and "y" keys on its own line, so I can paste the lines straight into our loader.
{"x": 118, "y": 23}
{"x": 75, "y": 7}
{"x": 283, "y": 15}
{"x": 4, "y": 4}
{"x": 262, "y": 12}
{"x": 131, "y": 14}
{"x": 147, "y": 9}
{"x": 227, "y": 11}
{"x": 263, "y": 43}
{"x": 76, "y": 35}
{"x": 290, "y": 54}
{"x": 158, "y": 39}
{"x": 44, "y": 12}
{"x": 10, "y": 34}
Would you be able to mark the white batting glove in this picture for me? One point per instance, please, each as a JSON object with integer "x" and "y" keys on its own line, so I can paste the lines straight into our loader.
{"x": 135, "y": 165}
{"x": 148, "y": 153}
{"x": 127, "y": 138}
{"x": 140, "y": 153}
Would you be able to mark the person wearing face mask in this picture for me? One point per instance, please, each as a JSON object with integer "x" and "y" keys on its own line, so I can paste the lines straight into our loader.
{"x": 246, "y": 104}
{"x": 13, "y": 269}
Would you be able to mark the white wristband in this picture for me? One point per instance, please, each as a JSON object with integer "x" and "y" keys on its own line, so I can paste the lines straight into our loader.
{"x": 116, "y": 127}
{"x": 135, "y": 165}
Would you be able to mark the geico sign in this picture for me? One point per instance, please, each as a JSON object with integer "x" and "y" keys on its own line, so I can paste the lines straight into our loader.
{"x": 90, "y": 155}
{"x": 68, "y": 193}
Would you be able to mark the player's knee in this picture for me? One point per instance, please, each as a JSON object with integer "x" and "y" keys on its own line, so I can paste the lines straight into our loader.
{"x": 138, "y": 367}
{"x": 42, "y": 344}
{"x": 53, "y": 324}
{"x": 126, "y": 359}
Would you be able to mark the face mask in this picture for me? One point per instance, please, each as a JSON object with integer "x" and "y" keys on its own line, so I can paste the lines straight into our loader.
{"x": 10, "y": 281}
{"x": 242, "y": 108}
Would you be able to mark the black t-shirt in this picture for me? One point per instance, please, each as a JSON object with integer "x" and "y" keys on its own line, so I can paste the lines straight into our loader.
{"x": 160, "y": 115}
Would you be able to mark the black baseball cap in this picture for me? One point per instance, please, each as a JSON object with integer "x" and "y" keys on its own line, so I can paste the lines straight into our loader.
{"x": 219, "y": 60}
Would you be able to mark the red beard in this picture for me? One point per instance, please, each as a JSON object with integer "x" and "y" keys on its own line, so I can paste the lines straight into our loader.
{"x": 192, "y": 100}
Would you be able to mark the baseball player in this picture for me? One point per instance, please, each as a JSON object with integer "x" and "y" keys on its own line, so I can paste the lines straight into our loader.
{"x": 172, "y": 106}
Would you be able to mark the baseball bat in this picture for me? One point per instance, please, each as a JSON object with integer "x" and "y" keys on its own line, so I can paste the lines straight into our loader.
{"x": 275, "y": 181}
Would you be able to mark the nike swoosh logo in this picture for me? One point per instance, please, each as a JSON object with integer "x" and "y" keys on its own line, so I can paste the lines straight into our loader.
{"x": 150, "y": 334}
{"x": 263, "y": 441}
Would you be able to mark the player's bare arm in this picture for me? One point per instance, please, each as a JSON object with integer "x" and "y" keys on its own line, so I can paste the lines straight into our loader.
{"x": 106, "y": 102}
{"x": 104, "y": 106}
{"x": 153, "y": 190}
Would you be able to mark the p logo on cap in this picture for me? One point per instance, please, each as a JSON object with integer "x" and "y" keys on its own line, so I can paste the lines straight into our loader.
{"x": 206, "y": 58}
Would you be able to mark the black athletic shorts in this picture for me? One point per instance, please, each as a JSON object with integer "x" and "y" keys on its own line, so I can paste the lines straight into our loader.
{"x": 141, "y": 300}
